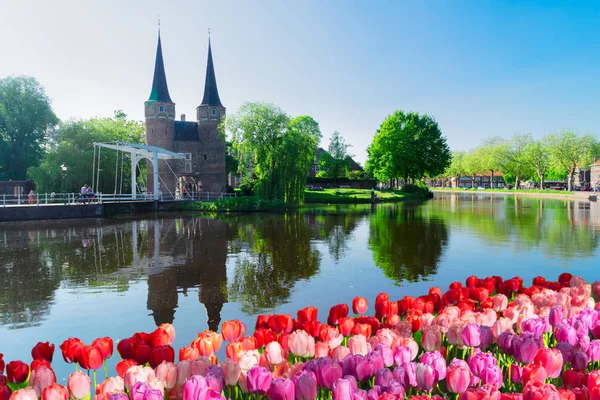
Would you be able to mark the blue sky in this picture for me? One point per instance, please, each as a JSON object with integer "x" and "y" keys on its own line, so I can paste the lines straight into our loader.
{"x": 481, "y": 68}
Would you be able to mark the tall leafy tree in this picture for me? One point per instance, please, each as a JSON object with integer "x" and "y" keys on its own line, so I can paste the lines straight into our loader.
{"x": 26, "y": 122}
{"x": 334, "y": 162}
{"x": 490, "y": 153}
{"x": 569, "y": 151}
{"x": 408, "y": 146}
{"x": 473, "y": 165}
{"x": 513, "y": 158}
{"x": 456, "y": 169}
{"x": 72, "y": 145}
{"x": 537, "y": 155}
{"x": 274, "y": 148}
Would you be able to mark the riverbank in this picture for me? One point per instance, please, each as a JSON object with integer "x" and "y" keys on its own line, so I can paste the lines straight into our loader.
{"x": 355, "y": 196}
{"x": 550, "y": 194}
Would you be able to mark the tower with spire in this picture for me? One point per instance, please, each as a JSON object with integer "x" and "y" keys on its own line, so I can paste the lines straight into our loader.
{"x": 204, "y": 166}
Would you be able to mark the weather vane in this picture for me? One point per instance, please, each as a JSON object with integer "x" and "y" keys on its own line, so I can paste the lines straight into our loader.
{"x": 208, "y": 30}
{"x": 159, "y": 23}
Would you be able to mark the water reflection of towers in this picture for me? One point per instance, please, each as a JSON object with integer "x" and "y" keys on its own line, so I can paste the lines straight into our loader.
{"x": 182, "y": 258}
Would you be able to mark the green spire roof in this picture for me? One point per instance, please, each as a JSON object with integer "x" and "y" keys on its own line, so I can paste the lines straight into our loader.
{"x": 211, "y": 94}
{"x": 160, "y": 91}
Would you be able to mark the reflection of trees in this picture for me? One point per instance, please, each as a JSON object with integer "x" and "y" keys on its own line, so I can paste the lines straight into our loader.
{"x": 558, "y": 228}
{"x": 406, "y": 245}
{"x": 40, "y": 257}
{"x": 280, "y": 254}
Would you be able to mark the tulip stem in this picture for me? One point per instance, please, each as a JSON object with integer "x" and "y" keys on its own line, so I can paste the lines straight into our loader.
{"x": 94, "y": 381}
{"x": 105, "y": 370}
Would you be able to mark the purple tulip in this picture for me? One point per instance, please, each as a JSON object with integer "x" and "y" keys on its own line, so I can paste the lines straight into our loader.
{"x": 402, "y": 355}
{"x": 383, "y": 377}
{"x": 282, "y": 389}
{"x": 153, "y": 394}
{"x": 479, "y": 360}
{"x": 360, "y": 394}
{"x": 492, "y": 374}
{"x": 567, "y": 351}
{"x": 329, "y": 371}
{"x": 396, "y": 389}
{"x": 118, "y": 396}
{"x": 471, "y": 335}
{"x": 533, "y": 325}
{"x": 193, "y": 386}
{"x": 365, "y": 369}
{"x": 306, "y": 385}
{"x": 377, "y": 360}
{"x": 526, "y": 346}
{"x": 215, "y": 380}
{"x": 387, "y": 354}
{"x": 506, "y": 342}
{"x": 516, "y": 373}
{"x": 565, "y": 333}
{"x": 580, "y": 360}
{"x": 595, "y": 329}
{"x": 259, "y": 380}
{"x": 406, "y": 374}
{"x": 352, "y": 381}
{"x": 593, "y": 350}
{"x": 425, "y": 377}
{"x": 342, "y": 390}
{"x": 138, "y": 390}
{"x": 437, "y": 362}
{"x": 374, "y": 393}
{"x": 556, "y": 315}
{"x": 487, "y": 337}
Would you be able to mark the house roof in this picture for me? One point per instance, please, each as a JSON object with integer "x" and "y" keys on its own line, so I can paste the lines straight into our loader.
{"x": 186, "y": 130}
{"x": 211, "y": 93}
{"x": 160, "y": 91}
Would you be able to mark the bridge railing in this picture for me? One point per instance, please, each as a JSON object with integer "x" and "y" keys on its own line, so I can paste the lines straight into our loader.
{"x": 40, "y": 199}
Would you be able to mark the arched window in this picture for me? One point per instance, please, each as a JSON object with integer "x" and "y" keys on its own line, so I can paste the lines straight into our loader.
{"x": 161, "y": 108}
{"x": 213, "y": 111}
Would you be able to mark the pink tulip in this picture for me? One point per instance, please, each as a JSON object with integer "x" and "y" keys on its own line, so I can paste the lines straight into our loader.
{"x": 232, "y": 372}
{"x": 425, "y": 377}
{"x": 193, "y": 387}
{"x": 458, "y": 376}
{"x": 402, "y": 355}
{"x": 24, "y": 394}
{"x": 167, "y": 373}
{"x": 248, "y": 359}
{"x": 484, "y": 392}
{"x": 199, "y": 366}
{"x": 321, "y": 350}
{"x": 55, "y": 392}
{"x": 432, "y": 338}
{"x": 306, "y": 385}
{"x": 259, "y": 380}
{"x": 551, "y": 360}
{"x": 275, "y": 353}
{"x": 282, "y": 389}
{"x": 80, "y": 385}
{"x": 40, "y": 378}
{"x": 500, "y": 302}
{"x": 184, "y": 371}
{"x": 108, "y": 386}
{"x": 302, "y": 344}
{"x": 538, "y": 391}
{"x": 343, "y": 390}
{"x": 156, "y": 384}
{"x": 358, "y": 345}
{"x": 137, "y": 374}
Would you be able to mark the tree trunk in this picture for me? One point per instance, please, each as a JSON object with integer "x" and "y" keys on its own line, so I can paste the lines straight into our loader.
{"x": 517, "y": 182}
{"x": 541, "y": 176}
{"x": 492, "y": 180}
{"x": 472, "y": 181}
{"x": 570, "y": 179}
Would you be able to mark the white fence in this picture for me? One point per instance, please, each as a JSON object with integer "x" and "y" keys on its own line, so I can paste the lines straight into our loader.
{"x": 43, "y": 199}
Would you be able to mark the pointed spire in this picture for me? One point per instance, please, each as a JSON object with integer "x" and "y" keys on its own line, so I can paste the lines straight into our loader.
{"x": 211, "y": 93}
{"x": 160, "y": 91}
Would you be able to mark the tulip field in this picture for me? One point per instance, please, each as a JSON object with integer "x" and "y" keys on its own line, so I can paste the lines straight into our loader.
{"x": 482, "y": 339}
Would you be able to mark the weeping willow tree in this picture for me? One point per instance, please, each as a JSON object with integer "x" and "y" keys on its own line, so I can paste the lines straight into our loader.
{"x": 275, "y": 149}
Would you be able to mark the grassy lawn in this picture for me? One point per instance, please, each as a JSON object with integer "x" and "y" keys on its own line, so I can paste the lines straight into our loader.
{"x": 351, "y": 196}
{"x": 550, "y": 191}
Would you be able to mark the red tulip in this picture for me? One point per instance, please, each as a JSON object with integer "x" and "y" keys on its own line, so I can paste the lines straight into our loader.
{"x": 105, "y": 346}
{"x": 262, "y": 321}
{"x": 70, "y": 348}
{"x": 471, "y": 282}
{"x": 360, "y": 305}
{"x": 89, "y": 357}
{"x": 160, "y": 354}
{"x": 207, "y": 343}
{"x": 1, "y": 364}
{"x": 382, "y": 305}
{"x": 143, "y": 337}
{"x": 43, "y": 350}
{"x": 405, "y": 304}
{"x": 362, "y": 329}
{"x": 313, "y": 328}
{"x": 283, "y": 340}
{"x": 233, "y": 330}
{"x": 38, "y": 363}
{"x": 307, "y": 314}
{"x": 188, "y": 353}
{"x": 17, "y": 371}
{"x": 126, "y": 348}
{"x": 163, "y": 335}
{"x": 141, "y": 353}
{"x": 264, "y": 336}
{"x": 336, "y": 312}
{"x": 5, "y": 392}
{"x": 564, "y": 278}
{"x": 455, "y": 285}
{"x": 551, "y": 360}
{"x": 345, "y": 326}
{"x": 123, "y": 366}
{"x": 479, "y": 294}
{"x": 233, "y": 350}
{"x": 281, "y": 323}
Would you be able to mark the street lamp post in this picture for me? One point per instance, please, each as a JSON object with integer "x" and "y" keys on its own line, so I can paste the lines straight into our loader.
{"x": 63, "y": 169}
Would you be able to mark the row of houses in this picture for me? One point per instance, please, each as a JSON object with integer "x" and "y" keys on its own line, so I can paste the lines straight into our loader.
{"x": 483, "y": 180}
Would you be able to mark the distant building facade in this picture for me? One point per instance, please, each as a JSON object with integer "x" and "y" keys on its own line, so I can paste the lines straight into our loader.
{"x": 481, "y": 180}
{"x": 595, "y": 174}
{"x": 204, "y": 149}
{"x": 314, "y": 168}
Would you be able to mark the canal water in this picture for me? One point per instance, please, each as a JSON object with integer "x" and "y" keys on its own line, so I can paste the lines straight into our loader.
{"x": 113, "y": 277}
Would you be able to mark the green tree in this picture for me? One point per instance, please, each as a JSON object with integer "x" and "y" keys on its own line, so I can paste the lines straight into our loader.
{"x": 569, "y": 151}
{"x": 26, "y": 122}
{"x": 473, "y": 165}
{"x": 513, "y": 158}
{"x": 275, "y": 149}
{"x": 335, "y": 160}
{"x": 456, "y": 169}
{"x": 537, "y": 155}
{"x": 408, "y": 146}
{"x": 490, "y": 153}
{"x": 72, "y": 144}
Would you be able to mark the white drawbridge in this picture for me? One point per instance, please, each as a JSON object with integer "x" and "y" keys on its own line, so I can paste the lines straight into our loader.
{"x": 137, "y": 153}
